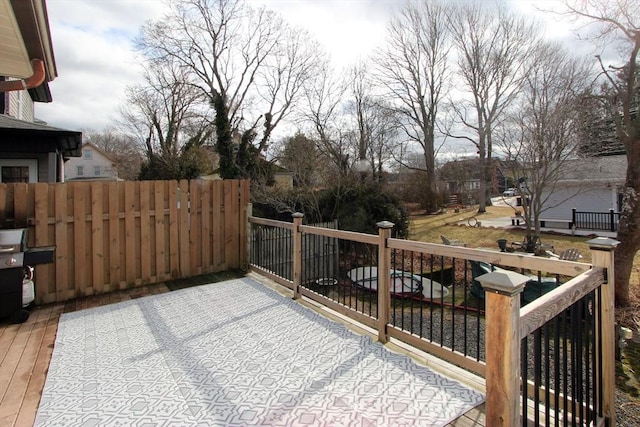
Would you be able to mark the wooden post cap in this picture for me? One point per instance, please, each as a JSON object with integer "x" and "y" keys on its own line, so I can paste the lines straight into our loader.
{"x": 385, "y": 224}
{"x": 503, "y": 282}
{"x": 602, "y": 244}
{"x": 297, "y": 214}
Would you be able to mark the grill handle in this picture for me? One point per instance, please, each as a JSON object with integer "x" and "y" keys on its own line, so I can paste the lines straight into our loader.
{"x": 7, "y": 250}
{"x": 28, "y": 273}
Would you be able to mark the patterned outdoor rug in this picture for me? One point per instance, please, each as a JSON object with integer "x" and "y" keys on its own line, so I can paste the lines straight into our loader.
{"x": 234, "y": 353}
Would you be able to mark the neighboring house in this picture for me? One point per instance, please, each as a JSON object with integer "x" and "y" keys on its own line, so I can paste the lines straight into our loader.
{"x": 30, "y": 151}
{"x": 93, "y": 165}
{"x": 588, "y": 185}
{"x": 462, "y": 177}
{"x": 283, "y": 179}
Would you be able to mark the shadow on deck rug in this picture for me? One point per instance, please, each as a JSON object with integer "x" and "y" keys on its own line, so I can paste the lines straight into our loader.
{"x": 234, "y": 353}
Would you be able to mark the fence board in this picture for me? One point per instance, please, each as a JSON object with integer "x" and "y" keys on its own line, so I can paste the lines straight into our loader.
{"x": 41, "y": 238}
{"x": 114, "y": 237}
{"x": 174, "y": 241}
{"x": 195, "y": 227}
{"x": 20, "y": 205}
{"x": 217, "y": 239}
{"x": 244, "y": 219}
{"x": 79, "y": 238}
{"x": 230, "y": 222}
{"x": 130, "y": 231}
{"x": 145, "y": 238}
{"x": 207, "y": 259}
{"x": 62, "y": 254}
{"x": 160, "y": 252}
{"x": 118, "y": 235}
{"x": 97, "y": 235}
{"x": 185, "y": 264}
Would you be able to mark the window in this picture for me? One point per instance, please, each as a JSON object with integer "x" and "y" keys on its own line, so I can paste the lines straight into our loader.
{"x": 86, "y": 154}
{"x": 80, "y": 170}
{"x": 19, "y": 170}
{"x": 15, "y": 174}
{"x": 96, "y": 170}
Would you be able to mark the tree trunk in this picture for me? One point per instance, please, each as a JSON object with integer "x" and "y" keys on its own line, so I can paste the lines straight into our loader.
{"x": 628, "y": 231}
{"x": 482, "y": 192}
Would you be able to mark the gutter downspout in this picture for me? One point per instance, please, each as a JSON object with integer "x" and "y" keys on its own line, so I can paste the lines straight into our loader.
{"x": 37, "y": 65}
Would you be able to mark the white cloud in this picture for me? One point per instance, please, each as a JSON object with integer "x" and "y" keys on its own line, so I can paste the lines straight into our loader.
{"x": 96, "y": 62}
{"x": 348, "y": 30}
{"x": 93, "y": 47}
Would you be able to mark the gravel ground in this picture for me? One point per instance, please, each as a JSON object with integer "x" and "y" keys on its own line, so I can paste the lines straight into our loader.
{"x": 627, "y": 410}
{"x": 628, "y": 384}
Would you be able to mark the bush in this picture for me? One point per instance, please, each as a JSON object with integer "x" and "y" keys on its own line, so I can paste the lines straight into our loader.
{"x": 358, "y": 207}
{"x": 361, "y": 208}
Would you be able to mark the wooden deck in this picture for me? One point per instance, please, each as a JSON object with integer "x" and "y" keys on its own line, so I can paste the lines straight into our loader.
{"x": 25, "y": 352}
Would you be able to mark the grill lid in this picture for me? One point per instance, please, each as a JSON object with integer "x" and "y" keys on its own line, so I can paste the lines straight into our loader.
{"x": 13, "y": 241}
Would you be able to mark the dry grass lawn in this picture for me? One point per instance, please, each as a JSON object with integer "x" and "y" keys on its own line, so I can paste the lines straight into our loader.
{"x": 428, "y": 228}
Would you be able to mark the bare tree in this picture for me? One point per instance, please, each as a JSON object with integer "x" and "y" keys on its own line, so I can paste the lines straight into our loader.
{"x": 413, "y": 69}
{"x": 169, "y": 116}
{"x": 249, "y": 63}
{"x": 375, "y": 123}
{"x": 323, "y": 112}
{"x": 617, "y": 22}
{"x": 492, "y": 47}
{"x": 540, "y": 138}
{"x": 159, "y": 109}
{"x": 122, "y": 148}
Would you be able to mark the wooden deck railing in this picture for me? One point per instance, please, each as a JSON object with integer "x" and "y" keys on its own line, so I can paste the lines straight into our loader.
{"x": 456, "y": 324}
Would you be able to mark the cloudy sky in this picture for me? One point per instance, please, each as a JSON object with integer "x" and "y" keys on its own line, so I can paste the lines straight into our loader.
{"x": 95, "y": 58}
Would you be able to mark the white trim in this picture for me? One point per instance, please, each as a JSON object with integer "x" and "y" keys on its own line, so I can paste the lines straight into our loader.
{"x": 31, "y": 163}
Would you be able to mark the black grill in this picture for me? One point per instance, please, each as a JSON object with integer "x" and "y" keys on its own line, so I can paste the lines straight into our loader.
{"x": 15, "y": 272}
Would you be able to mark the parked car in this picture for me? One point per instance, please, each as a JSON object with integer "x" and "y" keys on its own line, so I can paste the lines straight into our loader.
{"x": 509, "y": 192}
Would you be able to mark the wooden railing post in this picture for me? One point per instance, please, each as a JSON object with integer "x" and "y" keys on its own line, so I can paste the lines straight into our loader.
{"x": 384, "y": 277}
{"x": 602, "y": 255}
{"x": 297, "y": 253}
{"x": 502, "y": 335}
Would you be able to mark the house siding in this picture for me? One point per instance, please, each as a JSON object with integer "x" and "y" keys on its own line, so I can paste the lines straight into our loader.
{"x": 565, "y": 199}
{"x": 20, "y": 105}
{"x": 107, "y": 170}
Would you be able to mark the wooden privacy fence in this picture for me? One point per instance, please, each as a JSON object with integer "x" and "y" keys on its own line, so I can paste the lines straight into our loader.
{"x": 117, "y": 235}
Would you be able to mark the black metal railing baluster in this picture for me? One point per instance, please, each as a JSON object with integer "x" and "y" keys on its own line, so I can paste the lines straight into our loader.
{"x": 422, "y": 304}
{"x": 537, "y": 375}
{"x": 575, "y": 331}
{"x": 524, "y": 369}
{"x": 556, "y": 368}
{"x": 547, "y": 380}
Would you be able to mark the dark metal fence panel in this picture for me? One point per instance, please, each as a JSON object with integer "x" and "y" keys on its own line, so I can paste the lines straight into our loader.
{"x": 439, "y": 302}
{"x": 606, "y": 221}
{"x": 271, "y": 249}
{"x": 342, "y": 271}
{"x": 559, "y": 365}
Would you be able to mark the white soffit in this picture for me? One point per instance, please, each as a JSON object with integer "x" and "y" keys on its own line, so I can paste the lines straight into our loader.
{"x": 14, "y": 59}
